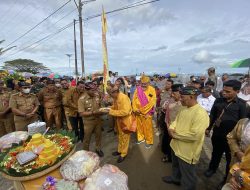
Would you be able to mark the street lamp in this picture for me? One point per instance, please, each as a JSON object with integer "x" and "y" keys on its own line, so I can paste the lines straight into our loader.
{"x": 69, "y": 55}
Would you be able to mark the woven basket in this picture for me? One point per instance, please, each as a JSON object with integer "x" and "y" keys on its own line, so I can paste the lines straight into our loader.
{"x": 39, "y": 174}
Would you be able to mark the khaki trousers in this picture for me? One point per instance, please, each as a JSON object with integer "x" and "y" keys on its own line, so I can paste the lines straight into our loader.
{"x": 90, "y": 127}
{"x": 7, "y": 124}
{"x": 66, "y": 113}
{"x": 21, "y": 123}
{"x": 53, "y": 116}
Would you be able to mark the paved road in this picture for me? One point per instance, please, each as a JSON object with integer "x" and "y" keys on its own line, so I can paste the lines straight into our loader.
{"x": 144, "y": 167}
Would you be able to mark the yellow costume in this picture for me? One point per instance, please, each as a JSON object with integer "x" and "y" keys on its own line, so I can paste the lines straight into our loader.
{"x": 144, "y": 122}
{"x": 243, "y": 170}
{"x": 121, "y": 109}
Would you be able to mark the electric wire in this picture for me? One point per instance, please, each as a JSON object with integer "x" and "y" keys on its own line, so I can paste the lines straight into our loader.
{"x": 38, "y": 24}
{"x": 47, "y": 37}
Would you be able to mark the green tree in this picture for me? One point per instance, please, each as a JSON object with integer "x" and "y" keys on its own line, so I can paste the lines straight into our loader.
{"x": 25, "y": 65}
{"x": 2, "y": 50}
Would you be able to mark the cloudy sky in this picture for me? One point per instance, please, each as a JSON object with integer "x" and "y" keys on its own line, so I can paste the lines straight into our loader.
{"x": 166, "y": 36}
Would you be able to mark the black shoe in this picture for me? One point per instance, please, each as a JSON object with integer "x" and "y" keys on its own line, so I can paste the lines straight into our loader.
{"x": 110, "y": 130}
{"x": 100, "y": 153}
{"x": 169, "y": 180}
{"x": 116, "y": 153}
{"x": 209, "y": 173}
{"x": 120, "y": 159}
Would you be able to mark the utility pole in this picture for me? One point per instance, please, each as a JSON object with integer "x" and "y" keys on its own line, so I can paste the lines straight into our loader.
{"x": 69, "y": 55}
{"x": 79, "y": 7}
{"x": 76, "y": 67}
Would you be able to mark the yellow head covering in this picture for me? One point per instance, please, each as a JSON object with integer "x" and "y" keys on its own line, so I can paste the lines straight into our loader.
{"x": 145, "y": 79}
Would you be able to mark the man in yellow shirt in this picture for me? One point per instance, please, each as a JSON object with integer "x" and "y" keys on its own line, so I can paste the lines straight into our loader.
{"x": 144, "y": 100}
{"x": 121, "y": 110}
{"x": 188, "y": 133}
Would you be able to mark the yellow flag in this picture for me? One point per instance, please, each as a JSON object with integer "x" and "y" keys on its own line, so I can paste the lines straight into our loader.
{"x": 105, "y": 50}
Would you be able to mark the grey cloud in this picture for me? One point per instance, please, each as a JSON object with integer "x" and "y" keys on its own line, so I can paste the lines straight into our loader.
{"x": 199, "y": 39}
{"x": 136, "y": 19}
{"x": 205, "y": 37}
{"x": 160, "y": 48}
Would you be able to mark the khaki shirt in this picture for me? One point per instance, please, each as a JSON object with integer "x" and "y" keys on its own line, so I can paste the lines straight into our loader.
{"x": 4, "y": 100}
{"x": 65, "y": 106}
{"x": 24, "y": 103}
{"x": 50, "y": 99}
{"x": 71, "y": 101}
{"x": 88, "y": 104}
{"x": 64, "y": 91}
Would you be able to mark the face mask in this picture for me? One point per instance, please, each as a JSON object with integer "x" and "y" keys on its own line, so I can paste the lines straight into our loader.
{"x": 26, "y": 91}
{"x": 58, "y": 85}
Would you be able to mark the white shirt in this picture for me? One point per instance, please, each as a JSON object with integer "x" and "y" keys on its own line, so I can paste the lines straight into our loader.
{"x": 206, "y": 103}
{"x": 113, "y": 79}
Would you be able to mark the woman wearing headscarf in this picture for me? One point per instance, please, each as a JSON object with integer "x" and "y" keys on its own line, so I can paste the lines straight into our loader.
{"x": 240, "y": 172}
{"x": 239, "y": 139}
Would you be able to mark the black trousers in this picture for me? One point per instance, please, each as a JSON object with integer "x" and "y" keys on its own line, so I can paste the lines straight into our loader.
{"x": 184, "y": 172}
{"x": 77, "y": 125}
{"x": 220, "y": 145}
{"x": 165, "y": 141}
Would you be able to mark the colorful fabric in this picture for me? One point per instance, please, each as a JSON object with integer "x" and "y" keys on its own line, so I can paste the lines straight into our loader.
{"x": 105, "y": 50}
{"x": 241, "y": 171}
{"x": 144, "y": 119}
{"x": 143, "y": 99}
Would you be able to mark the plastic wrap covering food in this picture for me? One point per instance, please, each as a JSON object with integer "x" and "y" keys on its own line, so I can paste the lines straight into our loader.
{"x": 69, "y": 185}
{"x": 108, "y": 177}
{"x": 80, "y": 165}
{"x": 36, "y": 127}
{"x": 6, "y": 141}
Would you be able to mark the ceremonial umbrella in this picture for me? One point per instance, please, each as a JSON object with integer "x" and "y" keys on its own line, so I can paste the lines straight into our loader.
{"x": 45, "y": 74}
{"x": 241, "y": 64}
{"x": 54, "y": 76}
{"x": 11, "y": 72}
{"x": 27, "y": 75}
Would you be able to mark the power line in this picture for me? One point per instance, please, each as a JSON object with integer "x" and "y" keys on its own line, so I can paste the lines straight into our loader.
{"x": 121, "y": 9}
{"x": 8, "y": 10}
{"x": 45, "y": 38}
{"x": 11, "y": 19}
{"x": 38, "y": 24}
{"x": 66, "y": 15}
{"x": 21, "y": 20}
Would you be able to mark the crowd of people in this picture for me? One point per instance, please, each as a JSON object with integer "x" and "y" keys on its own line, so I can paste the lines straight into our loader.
{"x": 185, "y": 114}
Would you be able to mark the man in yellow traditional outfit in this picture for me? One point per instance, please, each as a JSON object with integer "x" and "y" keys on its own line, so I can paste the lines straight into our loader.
{"x": 144, "y": 100}
{"x": 121, "y": 110}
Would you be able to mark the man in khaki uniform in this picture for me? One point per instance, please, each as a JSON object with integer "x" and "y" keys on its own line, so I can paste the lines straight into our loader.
{"x": 88, "y": 107}
{"x": 64, "y": 89}
{"x": 51, "y": 99}
{"x": 6, "y": 116}
{"x": 24, "y": 105}
{"x": 71, "y": 101}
